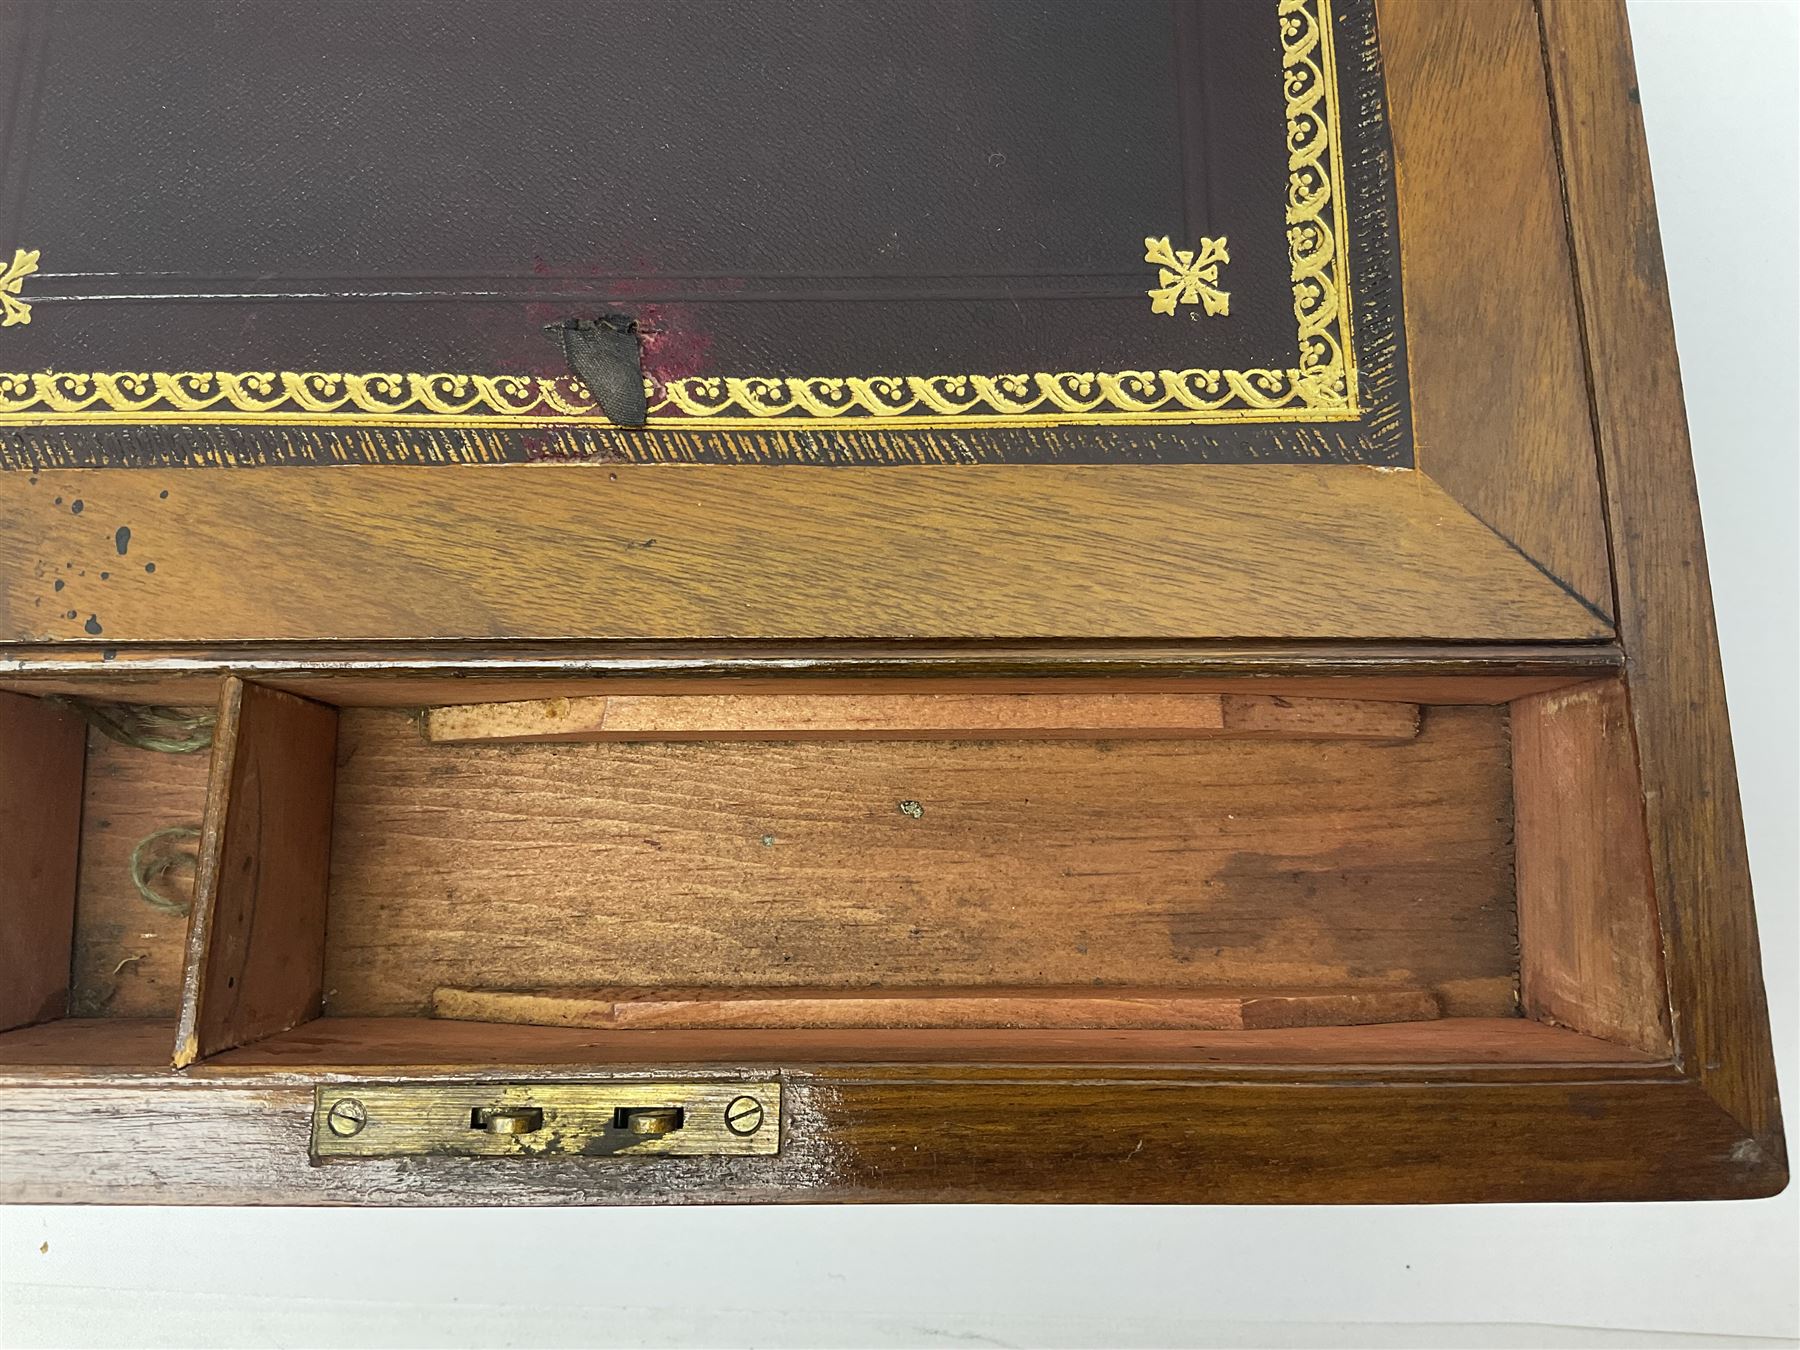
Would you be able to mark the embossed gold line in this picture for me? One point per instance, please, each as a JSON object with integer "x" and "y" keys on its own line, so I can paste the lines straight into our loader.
{"x": 901, "y": 422}
{"x": 1346, "y": 304}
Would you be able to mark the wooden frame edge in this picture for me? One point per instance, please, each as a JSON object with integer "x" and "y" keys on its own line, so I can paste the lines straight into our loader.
{"x": 1675, "y": 681}
{"x": 995, "y": 1138}
{"x": 1499, "y": 385}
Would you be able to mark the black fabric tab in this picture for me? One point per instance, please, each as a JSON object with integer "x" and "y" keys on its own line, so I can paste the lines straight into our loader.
{"x": 607, "y": 357}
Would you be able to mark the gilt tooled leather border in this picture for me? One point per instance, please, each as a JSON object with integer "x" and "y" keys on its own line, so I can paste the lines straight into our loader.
{"x": 1340, "y": 400}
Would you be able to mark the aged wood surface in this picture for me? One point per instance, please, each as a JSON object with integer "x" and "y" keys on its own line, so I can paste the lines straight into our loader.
{"x": 1590, "y": 951}
{"x": 701, "y": 551}
{"x": 1494, "y": 1048}
{"x": 256, "y": 939}
{"x": 1678, "y": 714}
{"x": 402, "y": 675}
{"x": 1063, "y": 1009}
{"x": 1459, "y": 1109}
{"x": 1274, "y": 864}
{"x": 861, "y": 1134}
{"x": 928, "y": 716}
{"x": 41, "y": 765}
{"x": 1499, "y": 387}
{"x": 129, "y": 956}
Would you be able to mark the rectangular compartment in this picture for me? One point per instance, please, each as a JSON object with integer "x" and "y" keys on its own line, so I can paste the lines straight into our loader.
{"x": 75, "y": 806}
{"x": 1439, "y": 871}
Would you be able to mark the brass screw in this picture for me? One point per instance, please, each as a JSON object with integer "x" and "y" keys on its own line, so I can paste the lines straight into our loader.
{"x": 346, "y": 1117}
{"x": 743, "y": 1115}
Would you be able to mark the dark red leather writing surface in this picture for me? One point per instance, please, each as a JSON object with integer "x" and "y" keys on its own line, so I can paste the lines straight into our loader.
{"x": 940, "y": 219}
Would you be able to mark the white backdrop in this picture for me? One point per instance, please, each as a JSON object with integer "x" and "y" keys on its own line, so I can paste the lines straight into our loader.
{"x": 1719, "y": 94}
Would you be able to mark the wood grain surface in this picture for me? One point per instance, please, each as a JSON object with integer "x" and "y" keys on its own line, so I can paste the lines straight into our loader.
{"x": 1042, "y": 551}
{"x": 1274, "y": 864}
{"x": 810, "y": 1009}
{"x": 858, "y": 1134}
{"x": 927, "y": 716}
{"x": 128, "y": 955}
{"x": 256, "y": 938}
{"x": 1590, "y": 949}
{"x": 41, "y": 767}
{"x": 1499, "y": 386}
{"x": 401, "y": 675}
{"x": 1539, "y": 334}
{"x": 1494, "y": 1049}
{"x": 1678, "y": 714}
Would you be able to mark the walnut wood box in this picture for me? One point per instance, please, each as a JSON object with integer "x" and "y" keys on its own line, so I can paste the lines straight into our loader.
{"x": 1152, "y": 643}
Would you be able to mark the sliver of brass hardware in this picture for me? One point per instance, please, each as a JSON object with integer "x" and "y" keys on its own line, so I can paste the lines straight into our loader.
{"x": 507, "y": 1119}
{"x": 596, "y": 1119}
{"x": 649, "y": 1119}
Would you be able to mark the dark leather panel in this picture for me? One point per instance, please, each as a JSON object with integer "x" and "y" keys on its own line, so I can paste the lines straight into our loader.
{"x": 804, "y": 188}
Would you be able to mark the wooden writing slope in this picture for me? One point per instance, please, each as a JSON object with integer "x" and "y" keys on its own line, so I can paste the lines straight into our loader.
{"x": 1001, "y": 601}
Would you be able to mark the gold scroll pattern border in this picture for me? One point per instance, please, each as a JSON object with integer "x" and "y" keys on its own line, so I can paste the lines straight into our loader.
{"x": 1320, "y": 386}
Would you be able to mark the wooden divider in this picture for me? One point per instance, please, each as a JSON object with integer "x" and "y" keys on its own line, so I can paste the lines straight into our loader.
{"x": 42, "y": 760}
{"x": 256, "y": 941}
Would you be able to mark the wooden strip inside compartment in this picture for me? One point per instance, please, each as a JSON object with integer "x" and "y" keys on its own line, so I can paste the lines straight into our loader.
{"x": 923, "y": 716}
{"x": 992, "y": 1009}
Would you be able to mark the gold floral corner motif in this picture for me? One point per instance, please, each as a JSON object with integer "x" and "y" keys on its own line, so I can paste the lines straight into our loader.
{"x": 1188, "y": 276}
{"x": 13, "y": 309}
{"x": 1320, "y": 385}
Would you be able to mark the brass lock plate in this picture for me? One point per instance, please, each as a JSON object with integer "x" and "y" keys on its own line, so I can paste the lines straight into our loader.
{"x": 546, "y": 1120}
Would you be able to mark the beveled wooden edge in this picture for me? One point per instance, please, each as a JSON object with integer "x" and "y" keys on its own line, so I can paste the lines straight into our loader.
{"x": 1676, "y": 686}
{"x": 1500, "y": 409}
{"x": 721, "y": 554}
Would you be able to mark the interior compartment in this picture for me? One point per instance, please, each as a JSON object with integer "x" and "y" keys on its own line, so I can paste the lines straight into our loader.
{"x": 1303, "y": 881}
{"x": 1174, "y": 864}
{"x": 75, "y": 804}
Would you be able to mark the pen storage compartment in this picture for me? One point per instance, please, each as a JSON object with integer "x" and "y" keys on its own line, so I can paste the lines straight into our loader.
{"x": 1362, "y": 879}
{"x": 1246, "y": 872}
